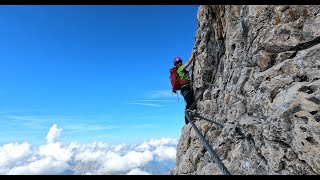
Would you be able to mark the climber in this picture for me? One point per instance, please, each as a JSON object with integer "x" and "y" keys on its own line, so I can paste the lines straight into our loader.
{"x": 183, "y": 73}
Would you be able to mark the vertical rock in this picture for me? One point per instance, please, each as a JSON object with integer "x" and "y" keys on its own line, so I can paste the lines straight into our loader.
{"x": 262, "y": 62}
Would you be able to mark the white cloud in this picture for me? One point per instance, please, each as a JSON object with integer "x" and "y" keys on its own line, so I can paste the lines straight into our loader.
{"x": 53, "y": 134}
{"x": 157, "y": 142}
{"x": 163, "y": 141}
{"x": 75, "y": 158}
{"x": 118, "y": 147}
{"x": 163, "y": 149}
{"x": 44, "y": 166}
{"x": 137, "y": 159}
{"x": 56, "y": 151}
{"x": 137, "y": 171}
{"x": 11, "y": 154}
{"x": 164, "y": 152}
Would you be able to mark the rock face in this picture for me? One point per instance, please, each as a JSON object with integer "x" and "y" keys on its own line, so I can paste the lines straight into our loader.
{"x": 263, "y": 66}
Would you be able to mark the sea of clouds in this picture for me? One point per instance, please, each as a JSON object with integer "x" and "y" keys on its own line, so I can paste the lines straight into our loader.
{"x": 156, "y": 156}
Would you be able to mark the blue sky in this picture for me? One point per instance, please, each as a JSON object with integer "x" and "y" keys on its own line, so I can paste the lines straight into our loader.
{"x": 101, "y": 73}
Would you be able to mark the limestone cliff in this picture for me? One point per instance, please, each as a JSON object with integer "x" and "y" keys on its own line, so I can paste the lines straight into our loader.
{"x": 263, "y": 66}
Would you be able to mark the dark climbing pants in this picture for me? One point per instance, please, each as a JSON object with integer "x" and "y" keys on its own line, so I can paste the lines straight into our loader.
{"x": 188, "y": 96}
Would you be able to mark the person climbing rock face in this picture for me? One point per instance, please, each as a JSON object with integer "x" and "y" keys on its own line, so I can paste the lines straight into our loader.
{"x": 183, "y": 72}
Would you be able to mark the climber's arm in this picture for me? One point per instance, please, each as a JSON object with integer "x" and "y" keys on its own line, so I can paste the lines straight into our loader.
{"x": 188, "y": 63}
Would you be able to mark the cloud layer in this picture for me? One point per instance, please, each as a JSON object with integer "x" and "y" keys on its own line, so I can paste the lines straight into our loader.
{"x": 96, "y": 158}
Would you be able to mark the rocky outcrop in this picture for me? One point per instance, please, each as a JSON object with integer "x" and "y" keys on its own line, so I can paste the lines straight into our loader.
{"x": 263, "y": 66}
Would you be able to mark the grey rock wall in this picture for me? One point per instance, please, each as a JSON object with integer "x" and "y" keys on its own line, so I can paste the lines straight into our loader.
{"x": 263, "y": 64}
